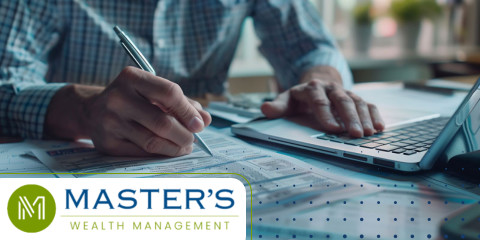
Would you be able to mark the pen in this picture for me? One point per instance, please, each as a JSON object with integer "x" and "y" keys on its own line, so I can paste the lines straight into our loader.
{"x": 142, "y": 63}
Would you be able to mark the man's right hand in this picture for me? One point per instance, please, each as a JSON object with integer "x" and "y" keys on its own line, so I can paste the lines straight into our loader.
{"x": 138, "y": 114}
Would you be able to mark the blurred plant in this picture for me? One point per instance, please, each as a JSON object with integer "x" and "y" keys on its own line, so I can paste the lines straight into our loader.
{"x": 363, "y": 14}
{"x": 405, "y": 11}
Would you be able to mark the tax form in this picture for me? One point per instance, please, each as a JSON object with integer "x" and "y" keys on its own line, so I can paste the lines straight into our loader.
{"x": 275, "y": 179}
{"x": 14, "y": 158}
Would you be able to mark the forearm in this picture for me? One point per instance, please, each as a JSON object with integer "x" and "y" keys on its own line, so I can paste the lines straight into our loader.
{"x": 67, "y": 114}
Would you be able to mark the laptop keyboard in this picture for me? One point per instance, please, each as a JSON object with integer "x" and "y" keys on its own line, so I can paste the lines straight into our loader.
{"x": 407, "y": 140}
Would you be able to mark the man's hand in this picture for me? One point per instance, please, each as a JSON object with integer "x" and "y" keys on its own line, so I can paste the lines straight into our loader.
{"x": 335, "y": 109}
{"x": 138, "y": 114}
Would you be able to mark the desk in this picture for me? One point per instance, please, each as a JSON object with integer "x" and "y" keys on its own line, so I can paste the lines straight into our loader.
{"x": 409, "y": 206}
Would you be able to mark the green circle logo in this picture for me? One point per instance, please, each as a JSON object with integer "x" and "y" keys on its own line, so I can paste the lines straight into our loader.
{"x": 31, "y": 208}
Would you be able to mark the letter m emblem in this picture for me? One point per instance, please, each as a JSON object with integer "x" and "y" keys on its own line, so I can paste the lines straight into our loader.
{"x": 24, "y": 206}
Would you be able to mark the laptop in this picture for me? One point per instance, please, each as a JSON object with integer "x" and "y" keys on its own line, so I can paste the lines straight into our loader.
{"x": 408, "y": 147}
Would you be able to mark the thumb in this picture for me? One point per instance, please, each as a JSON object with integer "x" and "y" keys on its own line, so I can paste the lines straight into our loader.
{"x": 278, "y": 107}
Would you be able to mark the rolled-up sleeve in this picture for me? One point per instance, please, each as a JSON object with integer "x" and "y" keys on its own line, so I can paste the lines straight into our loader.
{"x": 28, "y": 34}
{"x": 294, "y": 39}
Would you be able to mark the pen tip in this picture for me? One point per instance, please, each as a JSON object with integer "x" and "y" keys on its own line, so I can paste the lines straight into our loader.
{"x": 209, "y": 151}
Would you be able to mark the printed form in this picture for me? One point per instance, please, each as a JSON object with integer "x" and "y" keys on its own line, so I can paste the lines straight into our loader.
{"x": 275, "y": 179}
{"x": 14, "y": 158}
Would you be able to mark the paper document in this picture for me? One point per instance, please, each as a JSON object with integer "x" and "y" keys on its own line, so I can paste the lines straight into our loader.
{"x": 398, "y": 105}
{"x": 275, "y": 178}
{"x": 15, "y": 158}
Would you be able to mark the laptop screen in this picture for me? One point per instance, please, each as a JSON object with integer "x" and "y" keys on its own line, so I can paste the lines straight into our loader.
{"x": 467, "y": 138}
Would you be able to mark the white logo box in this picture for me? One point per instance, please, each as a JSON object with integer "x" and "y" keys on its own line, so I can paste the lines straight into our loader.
{"x": 173, "y": 221}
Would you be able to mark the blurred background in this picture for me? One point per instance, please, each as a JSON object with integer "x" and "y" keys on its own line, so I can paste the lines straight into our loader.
{"x": 383, "y": 40}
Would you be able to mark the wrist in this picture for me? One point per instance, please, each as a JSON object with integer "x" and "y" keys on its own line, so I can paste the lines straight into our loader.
{"x": 325, "y": 74}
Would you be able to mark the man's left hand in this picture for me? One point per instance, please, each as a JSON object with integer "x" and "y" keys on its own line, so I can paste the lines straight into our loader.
{"x": 336, "y": 109}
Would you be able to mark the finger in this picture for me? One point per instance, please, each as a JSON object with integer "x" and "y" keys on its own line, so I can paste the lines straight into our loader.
{"x": 378, "y": 122}
{"x": 159, "y": 123}
{"x": 207, "y": 119}
{"x": 152, "y": 143}
{"x": 363, "y": 113}
{"x": 167, "y": 95}
{"x": 313, "y": 94}
{"x": 278, "y": 107}
{"x": 347, "y": 111}
{"x": 195, "y": 104}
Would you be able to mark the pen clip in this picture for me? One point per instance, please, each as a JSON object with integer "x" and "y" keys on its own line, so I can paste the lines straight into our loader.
{"x": 133, "y": 51}
{"x": 132, "y": 57}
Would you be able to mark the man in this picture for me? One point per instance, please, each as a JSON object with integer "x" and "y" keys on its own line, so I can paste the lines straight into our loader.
{"x": 190, "y": 44}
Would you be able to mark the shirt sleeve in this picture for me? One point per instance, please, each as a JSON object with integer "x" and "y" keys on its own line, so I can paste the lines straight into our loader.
{"x": 294, "y": 39}
{"x": 28, "y": 34}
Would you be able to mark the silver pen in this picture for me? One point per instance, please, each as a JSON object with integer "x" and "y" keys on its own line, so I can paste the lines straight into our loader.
{"x": 142, "y": 63}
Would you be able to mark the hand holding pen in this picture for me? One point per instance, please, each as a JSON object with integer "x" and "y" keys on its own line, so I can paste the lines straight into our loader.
{"x": 142, "y": 63}
{"x": 138, "y": 114}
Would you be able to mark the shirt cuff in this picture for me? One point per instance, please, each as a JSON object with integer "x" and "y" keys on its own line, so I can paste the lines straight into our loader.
{"x": 332, "y": 58}
{"x": 28, "y": 108}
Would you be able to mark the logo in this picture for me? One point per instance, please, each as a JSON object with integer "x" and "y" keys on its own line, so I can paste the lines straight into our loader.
{"x": 31, "y": 208}
{"x": 170, "y": 208}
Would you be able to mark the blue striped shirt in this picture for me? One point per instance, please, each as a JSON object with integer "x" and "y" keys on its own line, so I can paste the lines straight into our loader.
{"x": 45, "y": 44}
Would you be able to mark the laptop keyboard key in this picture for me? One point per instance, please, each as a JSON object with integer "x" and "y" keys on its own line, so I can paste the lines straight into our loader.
{"x": 400, "y": 150}
{"x": 399, "y": 144}
{"x": 387, "y": 148}
{"x": 358, "y": 141}
{"x": 393, "y": 139}
{"x": 384, "y": 136}
{"x": 408, "y": 141}
{"x": 417, "y": 139}
{"x": 371, "y": 145}
{"x": 323, "y": 138}
{"x": 382, "y": 142}
{"x": 327, "y": 137}
{"x": 409, "y": 152}
{"x": 422, "y": 149}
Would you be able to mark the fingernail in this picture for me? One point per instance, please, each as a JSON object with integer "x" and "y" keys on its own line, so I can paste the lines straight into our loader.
{"x": 356, "y": 126}
{"x": 368, "y": 130}
{"x": 381, "y": 125}
{"x": 196, "y": 124}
